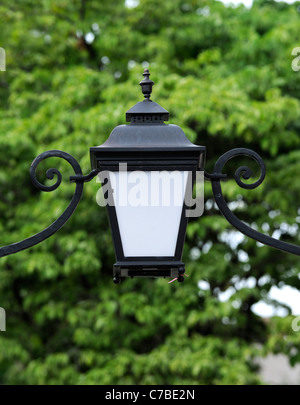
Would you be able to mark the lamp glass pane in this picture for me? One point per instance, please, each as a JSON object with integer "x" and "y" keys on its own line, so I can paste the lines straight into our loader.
{"x": 149, "y": 206}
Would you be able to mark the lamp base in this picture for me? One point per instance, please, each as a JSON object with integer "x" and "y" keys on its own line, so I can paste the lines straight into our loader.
{"x": 148, "y": 269}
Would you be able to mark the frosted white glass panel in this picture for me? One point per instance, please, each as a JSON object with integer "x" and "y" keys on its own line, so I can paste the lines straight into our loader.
{"x": 149, "y": 207}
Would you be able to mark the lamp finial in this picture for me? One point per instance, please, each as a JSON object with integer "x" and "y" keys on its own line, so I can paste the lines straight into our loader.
{"x": 146, "y": 84}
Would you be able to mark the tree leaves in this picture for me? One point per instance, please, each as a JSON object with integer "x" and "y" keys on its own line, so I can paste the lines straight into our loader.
{"x": 73, "y": 70}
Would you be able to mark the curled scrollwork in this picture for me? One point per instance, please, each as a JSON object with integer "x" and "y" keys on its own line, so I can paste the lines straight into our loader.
{"x": 56, "y": 225}
{"x": 246, "y": 173}
{"x": 243, "y": 171}
{"x": 52, "y": 172}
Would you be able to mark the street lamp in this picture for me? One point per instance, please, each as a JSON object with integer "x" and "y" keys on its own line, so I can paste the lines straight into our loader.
{"x": 156, "y": 166}
{"x": 149, "y": 231}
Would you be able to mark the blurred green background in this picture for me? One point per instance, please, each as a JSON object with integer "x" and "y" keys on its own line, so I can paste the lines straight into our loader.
{"x": 225, "y": 76}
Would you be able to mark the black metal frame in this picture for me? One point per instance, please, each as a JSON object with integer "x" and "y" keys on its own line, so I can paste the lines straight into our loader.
{"x": 154, "y": 266}
{"x": 165, "y": 267}
{"x": 149, "y": 144}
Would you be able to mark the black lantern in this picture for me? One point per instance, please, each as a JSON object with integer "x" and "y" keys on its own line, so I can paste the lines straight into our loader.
{"x": 148, "y": 233}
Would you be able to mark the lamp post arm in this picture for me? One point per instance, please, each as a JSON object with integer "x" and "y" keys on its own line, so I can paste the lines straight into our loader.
{"x": 81, "y": 178}
{"x": 59, "y": 222}
{"x": 245, "y": 173}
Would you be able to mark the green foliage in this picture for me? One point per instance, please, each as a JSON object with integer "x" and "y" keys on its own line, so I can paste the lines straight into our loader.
{"x": 225, "y": 76}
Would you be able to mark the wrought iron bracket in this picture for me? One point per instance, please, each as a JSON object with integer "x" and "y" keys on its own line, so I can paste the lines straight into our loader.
{"x": 246, "y": 173}
{"x": 215, "y": 178}
{"x": 84, "y": 179}
{"x": 79, "y": 179}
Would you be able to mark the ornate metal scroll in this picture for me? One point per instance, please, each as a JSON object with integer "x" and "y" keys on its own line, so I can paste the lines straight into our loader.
{"x": 246, "y": 173}
{"x": 79, "y": 179}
